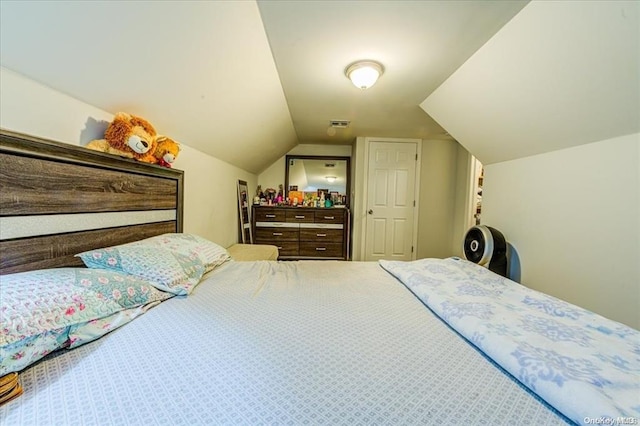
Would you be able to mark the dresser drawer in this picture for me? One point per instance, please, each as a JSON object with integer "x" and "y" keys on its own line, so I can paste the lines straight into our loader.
{"x": 277, "y": 234}
{"x": 269, "y": 215}
{"x": 299, "y": 215}
{"x": 287, "y": 248}
{"x": 321, "y": 235}
{"x": 320, "y": 249}
{"x": 329, "y": 216}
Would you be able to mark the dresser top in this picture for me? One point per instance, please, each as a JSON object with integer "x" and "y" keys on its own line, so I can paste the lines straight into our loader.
{"x": 301, "y": 208}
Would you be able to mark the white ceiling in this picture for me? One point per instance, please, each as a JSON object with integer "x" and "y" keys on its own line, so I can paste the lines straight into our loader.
{"x": 419, "y": 43}
{"x": 529, "y": 91}
{"x": 246, "y": 81}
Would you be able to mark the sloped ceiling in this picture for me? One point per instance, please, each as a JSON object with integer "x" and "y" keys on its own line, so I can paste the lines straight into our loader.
{"x": 559, "y": 74}
{"x": 201, "y": 71}
{"x": 419, "y": 43}
{"x": 246, "y": 81}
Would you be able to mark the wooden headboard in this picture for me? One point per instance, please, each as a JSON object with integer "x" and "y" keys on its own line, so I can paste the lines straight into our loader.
{"x": 57, "y": 200}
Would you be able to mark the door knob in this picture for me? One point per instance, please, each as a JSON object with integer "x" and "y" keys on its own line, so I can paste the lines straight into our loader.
{"x": 370, "y": 211}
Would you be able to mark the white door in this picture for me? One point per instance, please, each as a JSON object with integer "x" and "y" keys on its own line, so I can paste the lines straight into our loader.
{"x": 390, "y": 203}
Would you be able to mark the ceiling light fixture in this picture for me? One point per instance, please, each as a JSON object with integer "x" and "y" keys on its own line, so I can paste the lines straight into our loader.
{"x": 330, "y": 179}
{"x": 364, "y": 74}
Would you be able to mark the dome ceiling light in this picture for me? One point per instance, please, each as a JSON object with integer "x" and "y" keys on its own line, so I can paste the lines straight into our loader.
{"x": 364, "y": 74}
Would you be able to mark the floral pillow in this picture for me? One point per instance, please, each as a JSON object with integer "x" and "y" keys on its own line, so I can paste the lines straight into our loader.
{"x": 86, "y": 332}
{"x": 167, "y": 270}
{"x": 39, "y": 308}
{"x": 192, "y": 246}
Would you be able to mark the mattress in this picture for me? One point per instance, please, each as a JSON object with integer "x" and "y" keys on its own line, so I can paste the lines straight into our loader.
{"x": 308, "y": 342}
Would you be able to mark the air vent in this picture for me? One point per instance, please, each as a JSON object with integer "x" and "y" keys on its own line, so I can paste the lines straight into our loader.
{"x": 339, "y": 124}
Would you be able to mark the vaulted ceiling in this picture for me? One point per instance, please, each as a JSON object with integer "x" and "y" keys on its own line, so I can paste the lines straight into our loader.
{"x": 246, "y": 81}
{"x": 419, "y": 43}
{"x": 558, "y": 75}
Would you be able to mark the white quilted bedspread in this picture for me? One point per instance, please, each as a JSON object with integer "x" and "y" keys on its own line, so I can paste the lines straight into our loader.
{"x": 585, "y": 365}
{"x": 279, "y": 343}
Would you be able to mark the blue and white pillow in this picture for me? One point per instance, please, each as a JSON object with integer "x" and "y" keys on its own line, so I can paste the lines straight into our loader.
{"x": 193, "y": 246}
{"x": 167, "y": 270}
{"x": 40, "y": 309}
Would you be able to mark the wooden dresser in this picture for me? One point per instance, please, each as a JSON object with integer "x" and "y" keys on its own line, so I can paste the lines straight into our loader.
{"x": 303, "y": 232}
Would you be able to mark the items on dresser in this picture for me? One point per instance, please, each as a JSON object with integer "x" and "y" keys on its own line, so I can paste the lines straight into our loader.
{"x": 303, "y": 232}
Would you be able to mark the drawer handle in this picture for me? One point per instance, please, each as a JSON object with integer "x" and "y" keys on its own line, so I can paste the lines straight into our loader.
{"x": 321, "y": 235}
{"x": 279, "y": 248}
{"x": 299, "y": 216}
{"x": 321, "y": 248}
{"x": 270, "y": 215}
{"x": 277, "y": 234}
{"x": 329, "y": 217}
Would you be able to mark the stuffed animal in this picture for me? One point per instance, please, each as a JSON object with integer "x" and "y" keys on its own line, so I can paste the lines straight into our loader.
{"x": 128, "y": 136}
{"x": 166, "y": 151}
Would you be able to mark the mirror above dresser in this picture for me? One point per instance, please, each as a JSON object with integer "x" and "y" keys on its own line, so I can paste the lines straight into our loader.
{"x": 312, "y": 177}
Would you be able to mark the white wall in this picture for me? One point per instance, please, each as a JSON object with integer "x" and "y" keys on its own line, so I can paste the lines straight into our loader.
{"x": 436, "y": 216}
{"x": 358, "y": 206}
{"x": 574, "y": 218}
{"x": 210, "y": 208}
{"x": 465, "y": 202}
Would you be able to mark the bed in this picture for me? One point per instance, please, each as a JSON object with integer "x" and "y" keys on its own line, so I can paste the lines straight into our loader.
{"x": 302, "y": 342}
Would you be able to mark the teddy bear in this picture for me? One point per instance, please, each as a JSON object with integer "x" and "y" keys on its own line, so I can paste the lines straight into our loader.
{"x": 128, "y": 136}
{"x": 166, "y": 151}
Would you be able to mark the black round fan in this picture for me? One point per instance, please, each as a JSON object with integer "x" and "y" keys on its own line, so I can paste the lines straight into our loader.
{"x": 487, "y": 247}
